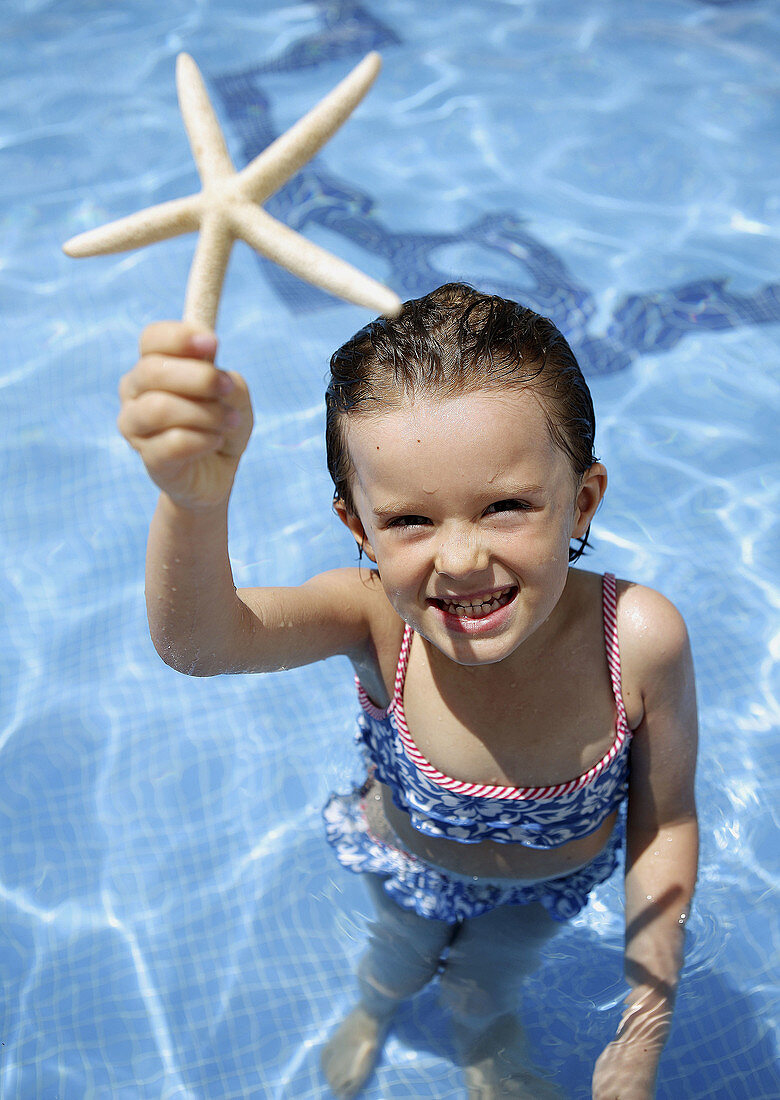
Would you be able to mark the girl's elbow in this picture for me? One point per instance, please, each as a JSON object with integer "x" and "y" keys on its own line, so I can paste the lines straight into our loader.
{"x": 184, "y": 661}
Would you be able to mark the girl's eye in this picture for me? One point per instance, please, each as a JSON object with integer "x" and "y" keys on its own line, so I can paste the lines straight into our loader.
{"x": 408, "y": 521}
{"x": 508, "y": 506}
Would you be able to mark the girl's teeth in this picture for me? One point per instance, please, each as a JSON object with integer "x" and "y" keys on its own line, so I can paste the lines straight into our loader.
{"x": 477, "y": 610}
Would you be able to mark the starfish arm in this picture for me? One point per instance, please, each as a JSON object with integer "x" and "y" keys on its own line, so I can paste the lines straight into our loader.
{"x": 203, "y": 130}
{"x": 284, "y": 156}
{"x": 157, "y": 223}
{"x": 310, "y": 262}
{"x": 207, "y": 274}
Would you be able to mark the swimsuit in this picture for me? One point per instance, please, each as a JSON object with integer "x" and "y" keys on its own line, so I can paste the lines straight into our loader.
{"x": 440, "y": 806}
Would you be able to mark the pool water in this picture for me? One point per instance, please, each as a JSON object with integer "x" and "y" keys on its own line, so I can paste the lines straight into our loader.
{"x": 172, "y": 923}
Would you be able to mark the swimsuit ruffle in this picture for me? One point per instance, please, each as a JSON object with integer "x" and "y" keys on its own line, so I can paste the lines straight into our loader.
{"x": 430, "y": 892}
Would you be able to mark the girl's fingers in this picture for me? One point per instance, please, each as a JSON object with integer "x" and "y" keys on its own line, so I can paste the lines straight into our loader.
{"x": 181, "y": 338}
{"x": 188, "y": 377}
{"x": 189, "y": 421}
{"x": 180, "y": 445}
{"x": 156, "y": 412}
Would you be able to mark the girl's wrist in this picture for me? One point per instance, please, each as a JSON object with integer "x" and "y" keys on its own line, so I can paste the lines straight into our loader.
{"x": 646, "y": 1019}
{"x": 192, "y": 512}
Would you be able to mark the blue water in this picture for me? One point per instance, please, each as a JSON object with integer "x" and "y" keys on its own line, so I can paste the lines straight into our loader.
{"x": 171, "y": 921}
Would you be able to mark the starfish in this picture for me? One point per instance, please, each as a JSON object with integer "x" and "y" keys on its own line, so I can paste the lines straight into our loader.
{"x": 229, "y": 206}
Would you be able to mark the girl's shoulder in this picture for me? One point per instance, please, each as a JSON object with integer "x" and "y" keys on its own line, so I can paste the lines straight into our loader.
{"x": 654, "y": 645}
{"x": 652, "y": 638}
{"x": 375, "y": 660}
{"x": 360, "y": 589}
{"x": 646, "y": 620}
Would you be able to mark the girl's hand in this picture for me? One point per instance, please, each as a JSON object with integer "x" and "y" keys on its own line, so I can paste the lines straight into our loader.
{"x": 627, "y": 1068}
{"x": 189, "y": 421}
{"x": 625, "y": 1072}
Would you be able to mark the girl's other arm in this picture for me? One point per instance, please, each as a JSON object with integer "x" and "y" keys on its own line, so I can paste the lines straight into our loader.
{"x": 662, "y": 840}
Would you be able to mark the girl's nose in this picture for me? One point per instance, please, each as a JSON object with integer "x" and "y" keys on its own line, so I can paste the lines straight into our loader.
{"x": 460, "y": 552}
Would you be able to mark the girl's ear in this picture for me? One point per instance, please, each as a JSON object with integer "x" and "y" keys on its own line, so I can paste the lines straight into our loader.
{"x": 589, "y": 495}
{"x": 352, "y": 521}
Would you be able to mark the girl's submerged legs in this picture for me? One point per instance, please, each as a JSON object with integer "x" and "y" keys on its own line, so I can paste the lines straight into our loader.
{"x": 487, "y": 962}
{"x": 403, "y": 955}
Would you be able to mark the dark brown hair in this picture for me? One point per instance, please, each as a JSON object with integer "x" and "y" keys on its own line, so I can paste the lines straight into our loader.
{"x": 453, "y": 341}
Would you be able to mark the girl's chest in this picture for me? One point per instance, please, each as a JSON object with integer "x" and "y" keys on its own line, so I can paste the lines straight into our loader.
{"x": 523, "y": 731}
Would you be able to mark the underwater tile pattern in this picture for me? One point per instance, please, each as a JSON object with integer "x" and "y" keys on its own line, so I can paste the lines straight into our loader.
{"x": 172, "y": 923}
{"x": 639, "y": 323}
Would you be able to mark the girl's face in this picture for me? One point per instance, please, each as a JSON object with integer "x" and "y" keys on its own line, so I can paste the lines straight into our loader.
{"x": 468, "y": 508}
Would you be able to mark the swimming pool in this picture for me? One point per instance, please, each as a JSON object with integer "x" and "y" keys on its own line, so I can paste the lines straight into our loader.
{"x": 173, "y": 924}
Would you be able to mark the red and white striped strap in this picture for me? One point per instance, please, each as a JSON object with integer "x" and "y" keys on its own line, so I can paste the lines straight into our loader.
{"x": 398, "y": 690}
{"x": 482, "y": 790}
{"x": 609, "y": 601}
{"x": 401, "y": 667}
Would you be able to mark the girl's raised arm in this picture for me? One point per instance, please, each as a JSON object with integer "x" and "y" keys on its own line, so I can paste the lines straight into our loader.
{"x": 191, "y": 422}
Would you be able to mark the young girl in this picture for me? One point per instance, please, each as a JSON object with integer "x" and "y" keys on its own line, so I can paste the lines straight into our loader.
{"x": 518, "y": 717}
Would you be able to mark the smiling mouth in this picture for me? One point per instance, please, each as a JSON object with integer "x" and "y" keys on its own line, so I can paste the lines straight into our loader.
{"x": 476, "y": 608}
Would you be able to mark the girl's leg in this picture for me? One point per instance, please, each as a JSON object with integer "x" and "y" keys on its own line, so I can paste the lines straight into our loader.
{"x": 403, "y": 955}
{"x": 487, "y": 962}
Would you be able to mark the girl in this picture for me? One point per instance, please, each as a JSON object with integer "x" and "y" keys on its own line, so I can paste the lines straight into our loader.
{"x": 519, "y": 716}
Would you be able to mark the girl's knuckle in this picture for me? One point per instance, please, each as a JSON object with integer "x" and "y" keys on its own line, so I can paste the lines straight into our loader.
{"x": 156, "y": 406}
{"x": 177, "y": 440}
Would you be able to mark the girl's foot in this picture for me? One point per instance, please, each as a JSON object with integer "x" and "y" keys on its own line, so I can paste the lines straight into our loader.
{"x": 496, "y": 1064}
{"x": 350, "y": 1054}
{"x": 492, "y": 1078}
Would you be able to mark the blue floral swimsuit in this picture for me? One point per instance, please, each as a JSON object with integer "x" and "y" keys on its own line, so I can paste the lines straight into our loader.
{"x": 440, "y": 806}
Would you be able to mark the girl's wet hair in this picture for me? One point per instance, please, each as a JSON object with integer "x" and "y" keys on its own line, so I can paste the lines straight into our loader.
{"x": 453, "y": 341}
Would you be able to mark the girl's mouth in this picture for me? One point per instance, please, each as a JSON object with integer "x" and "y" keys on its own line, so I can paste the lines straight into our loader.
{"x": 474, "y": 608}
